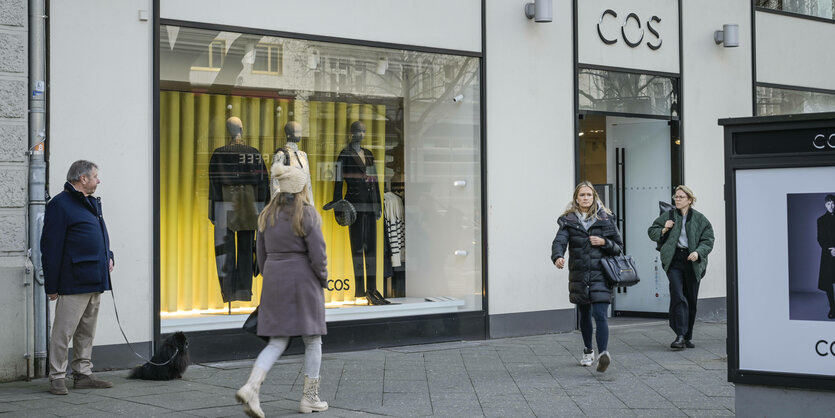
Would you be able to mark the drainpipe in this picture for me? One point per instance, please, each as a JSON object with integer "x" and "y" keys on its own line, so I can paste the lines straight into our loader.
{"x": 37, "y": 173}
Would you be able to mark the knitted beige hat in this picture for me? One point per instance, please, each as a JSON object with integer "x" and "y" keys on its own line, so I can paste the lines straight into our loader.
{"x": 287, "y": 179}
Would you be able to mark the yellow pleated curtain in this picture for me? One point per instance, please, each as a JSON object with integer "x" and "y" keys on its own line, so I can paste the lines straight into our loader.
{"x": 192, "y": 126}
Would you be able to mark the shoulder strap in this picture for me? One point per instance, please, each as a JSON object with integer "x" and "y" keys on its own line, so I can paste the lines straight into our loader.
{"x": 282, "y": 150}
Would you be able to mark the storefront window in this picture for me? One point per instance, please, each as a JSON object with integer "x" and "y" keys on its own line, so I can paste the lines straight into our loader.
{"x": 777, "y": 101}
{"x": 816, "y": 8}
{"x": 225, "y": 101}
{"x": 620, "y": 92}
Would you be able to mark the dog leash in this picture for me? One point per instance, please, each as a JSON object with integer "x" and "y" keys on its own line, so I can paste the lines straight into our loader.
{"x": 119, "y": 322}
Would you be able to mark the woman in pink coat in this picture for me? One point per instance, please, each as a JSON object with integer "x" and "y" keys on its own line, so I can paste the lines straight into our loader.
{"x": 291, "y": 256}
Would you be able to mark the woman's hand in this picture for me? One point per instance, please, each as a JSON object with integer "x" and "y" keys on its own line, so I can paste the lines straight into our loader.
{"x": 560, "y": 263}
{"x": 597, "y": 241}
{"x": 667, "y": 226}
{"x": 694, "y": 256}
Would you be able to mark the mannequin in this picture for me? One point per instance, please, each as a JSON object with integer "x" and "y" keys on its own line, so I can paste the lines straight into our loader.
{"x": 293, "y": 133}
{"x": 358, "y": 172}
{"x": 238, "y": 190}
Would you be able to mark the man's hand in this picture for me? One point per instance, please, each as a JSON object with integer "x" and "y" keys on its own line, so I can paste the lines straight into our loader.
{"x": 53, "y": 296}
{"x": 560, "y": 263}
{"x": 694, "y": 256}
{"x": 111, "y": 265}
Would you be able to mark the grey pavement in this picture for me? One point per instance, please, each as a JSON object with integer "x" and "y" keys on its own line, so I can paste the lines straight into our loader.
{"x": 537, "y": 376}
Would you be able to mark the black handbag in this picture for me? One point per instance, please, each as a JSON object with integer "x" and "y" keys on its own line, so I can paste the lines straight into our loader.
{"x": 251, "y": 325}
{"x": 620, "y": 270}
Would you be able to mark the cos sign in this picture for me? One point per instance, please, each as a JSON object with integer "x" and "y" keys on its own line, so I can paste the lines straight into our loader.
{"x": 636, "y": 37}
{"x": 821, "y": 141}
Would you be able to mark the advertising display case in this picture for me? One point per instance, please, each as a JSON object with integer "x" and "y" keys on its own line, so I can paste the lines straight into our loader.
{"x": 780, "y": 197}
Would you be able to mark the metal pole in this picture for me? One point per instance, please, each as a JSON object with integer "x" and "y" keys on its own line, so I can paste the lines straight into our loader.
{"x": 37, "y": 172}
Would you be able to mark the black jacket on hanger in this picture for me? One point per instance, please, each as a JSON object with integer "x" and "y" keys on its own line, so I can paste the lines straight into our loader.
{"x": 363, "y": 190}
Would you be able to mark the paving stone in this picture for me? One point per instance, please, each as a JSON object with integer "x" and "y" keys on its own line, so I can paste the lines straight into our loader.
{"x": 527, "y": 376}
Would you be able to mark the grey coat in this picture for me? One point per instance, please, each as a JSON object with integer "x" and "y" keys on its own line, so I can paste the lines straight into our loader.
{"x": 295, "y": 272}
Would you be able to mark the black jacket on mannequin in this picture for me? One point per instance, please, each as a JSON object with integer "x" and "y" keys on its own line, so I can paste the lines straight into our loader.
{"x": 238, "y": 189}
{"x": 363, "y": 192}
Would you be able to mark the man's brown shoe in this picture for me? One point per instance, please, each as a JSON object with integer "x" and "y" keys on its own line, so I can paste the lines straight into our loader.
{"x": 58, "y": 387}
{"x": 88, "y": 381}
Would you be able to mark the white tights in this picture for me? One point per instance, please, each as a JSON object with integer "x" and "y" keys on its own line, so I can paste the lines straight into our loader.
{"x": 312, "y": 354}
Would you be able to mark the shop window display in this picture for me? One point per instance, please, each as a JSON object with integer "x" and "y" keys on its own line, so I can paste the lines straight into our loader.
{"x": 393, "y": 165}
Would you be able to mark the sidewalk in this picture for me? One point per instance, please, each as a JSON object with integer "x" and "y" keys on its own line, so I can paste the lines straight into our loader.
{"x": 514, "y": 377}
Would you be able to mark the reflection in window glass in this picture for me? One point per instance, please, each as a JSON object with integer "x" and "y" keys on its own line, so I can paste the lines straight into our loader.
{"x": 610, "y": 91}
{"x": 775, "y": 101}
{"x": 420, "y": 244}
{"x": 817, "y": 8}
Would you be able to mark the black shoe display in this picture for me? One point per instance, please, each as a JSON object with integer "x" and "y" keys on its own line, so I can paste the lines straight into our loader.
{"x": 372, "y": 298}
{"x": 689, "y": 344}
{"x": 678, "y": 344}
{"x": 380, "y": 297}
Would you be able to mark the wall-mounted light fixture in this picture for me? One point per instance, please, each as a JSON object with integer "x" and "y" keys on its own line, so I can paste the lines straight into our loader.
{"x": 729, "y": 35}
{"x": 313, "y": 59}
{"x": 382, "y": 66}
{"x": 541, "y": 11}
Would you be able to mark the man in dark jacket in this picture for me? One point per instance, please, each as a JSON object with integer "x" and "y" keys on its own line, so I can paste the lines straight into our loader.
{"x": 77, "y": 262}
{"x": 826, "y": 239}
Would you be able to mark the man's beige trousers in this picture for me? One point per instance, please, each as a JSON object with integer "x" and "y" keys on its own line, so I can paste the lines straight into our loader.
{"x": 75, "y": 319}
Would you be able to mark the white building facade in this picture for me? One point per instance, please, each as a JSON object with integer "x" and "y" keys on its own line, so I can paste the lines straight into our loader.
{"x": 480, "y": 123}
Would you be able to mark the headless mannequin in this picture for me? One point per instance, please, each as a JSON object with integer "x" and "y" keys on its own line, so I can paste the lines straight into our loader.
{"x": 363, "y": 192}
{"x": 237, "y": 191}
{"x": 293, "y": 133}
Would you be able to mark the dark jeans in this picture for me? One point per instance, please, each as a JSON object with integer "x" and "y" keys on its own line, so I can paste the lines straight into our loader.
{"x": 235, "y": 252}
{"x": 598, "y": 311}
{"x": 684, "y": 294}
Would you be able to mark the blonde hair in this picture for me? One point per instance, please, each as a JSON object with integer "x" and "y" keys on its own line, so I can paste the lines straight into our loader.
{"x": 573, "y": 206}
{"x": 294, "y": 202}
{"x": 688, "y": 191}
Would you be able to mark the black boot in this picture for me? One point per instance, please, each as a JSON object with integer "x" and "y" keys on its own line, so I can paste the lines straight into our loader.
{"x": 372, "y": 298}
{"x": 678, "y": 344}
{"x": 380, "y": 297}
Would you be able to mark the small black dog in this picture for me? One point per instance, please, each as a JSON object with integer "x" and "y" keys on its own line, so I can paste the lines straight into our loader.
{"x": 175, "y": 349}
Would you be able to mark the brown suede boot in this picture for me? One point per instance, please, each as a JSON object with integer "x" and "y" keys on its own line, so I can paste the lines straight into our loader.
{"x": 58, "y": 387}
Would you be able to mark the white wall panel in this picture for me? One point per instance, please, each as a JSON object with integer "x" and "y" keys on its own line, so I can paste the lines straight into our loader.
{"x": 530, "y": 152}
{"x": 717, "y": 84}
{"x": 100, "y": 110}
{"x": 432, "y": 23}
{"x": 795, "y": 51}
{"x": 593, "y": 50}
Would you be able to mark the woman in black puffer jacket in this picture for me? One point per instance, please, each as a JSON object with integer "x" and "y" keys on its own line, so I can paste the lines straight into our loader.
{"x": 588, "y": 231}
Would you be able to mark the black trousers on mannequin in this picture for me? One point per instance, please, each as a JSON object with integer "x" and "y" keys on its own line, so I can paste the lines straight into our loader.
{"x": 830, "y": 294}
{"x": 234, "y": 263}
{"x": 363, "y": 233}
{"x": 684, "y": 294}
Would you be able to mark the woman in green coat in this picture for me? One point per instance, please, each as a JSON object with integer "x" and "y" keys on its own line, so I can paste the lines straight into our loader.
{"x": 687, "y": 240}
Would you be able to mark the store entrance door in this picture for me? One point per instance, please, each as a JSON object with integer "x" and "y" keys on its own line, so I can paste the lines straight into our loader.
{"x": 630, "y": 161}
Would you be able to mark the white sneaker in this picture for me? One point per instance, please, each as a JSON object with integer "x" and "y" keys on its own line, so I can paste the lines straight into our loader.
{"x": 588, "y": 358}
{"x": 603, "y": 361}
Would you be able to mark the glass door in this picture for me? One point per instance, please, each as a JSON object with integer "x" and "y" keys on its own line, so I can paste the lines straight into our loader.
{"x": 632, "y": 162}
